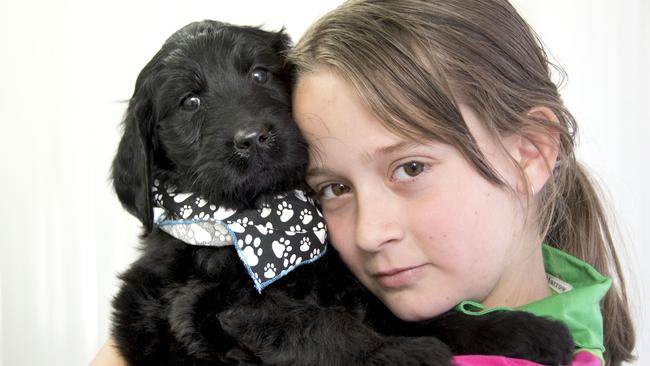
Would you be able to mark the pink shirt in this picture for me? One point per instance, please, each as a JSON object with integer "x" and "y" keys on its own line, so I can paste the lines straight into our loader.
{"x": 582, "y": 358}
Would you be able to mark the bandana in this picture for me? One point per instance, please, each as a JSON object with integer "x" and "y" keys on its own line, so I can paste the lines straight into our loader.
{"x": 271, "y": 241}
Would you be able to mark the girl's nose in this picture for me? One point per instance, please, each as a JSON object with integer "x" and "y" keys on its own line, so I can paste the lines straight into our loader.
{"x": 377, "y": 221}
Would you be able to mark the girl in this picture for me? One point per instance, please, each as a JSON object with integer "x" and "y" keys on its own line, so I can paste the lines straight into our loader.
{"x": 443, "y": 159}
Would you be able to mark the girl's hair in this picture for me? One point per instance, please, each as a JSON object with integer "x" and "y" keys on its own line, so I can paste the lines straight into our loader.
{"x": 413, "y": 61}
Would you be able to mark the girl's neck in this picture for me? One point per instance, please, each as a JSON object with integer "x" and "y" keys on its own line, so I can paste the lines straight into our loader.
{"x": 524, "y": 282}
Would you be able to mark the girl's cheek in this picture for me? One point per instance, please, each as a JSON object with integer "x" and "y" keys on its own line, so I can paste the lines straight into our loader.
{"x": 339, "y": 231}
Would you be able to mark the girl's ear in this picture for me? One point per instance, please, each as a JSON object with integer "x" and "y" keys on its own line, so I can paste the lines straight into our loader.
{"x": 536, "y": 151}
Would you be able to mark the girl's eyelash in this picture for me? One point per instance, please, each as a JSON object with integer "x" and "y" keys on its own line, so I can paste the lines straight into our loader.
{"x": 331, "y": 187}
{"x": 316, "y": 190}
{"x": 419, "y": 165}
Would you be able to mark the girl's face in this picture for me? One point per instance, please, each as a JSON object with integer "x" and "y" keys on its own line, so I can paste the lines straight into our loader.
{"x": 416, "y": 223}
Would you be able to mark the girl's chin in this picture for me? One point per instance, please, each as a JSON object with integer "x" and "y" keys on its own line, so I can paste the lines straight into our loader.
{"x": 416, "y": 309}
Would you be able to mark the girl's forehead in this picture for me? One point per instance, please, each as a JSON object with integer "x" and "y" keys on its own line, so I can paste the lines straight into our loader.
{"x": 320, "y": 88}
{"x": 327, "y": 105}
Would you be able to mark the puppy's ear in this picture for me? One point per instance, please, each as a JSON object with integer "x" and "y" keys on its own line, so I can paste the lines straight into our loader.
{"x": 282, "y": 42}
{"x": 132, "y": 165}
{"x": 281, "y": 45}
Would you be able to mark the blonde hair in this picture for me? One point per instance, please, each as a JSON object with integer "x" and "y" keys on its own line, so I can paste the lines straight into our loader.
{"x": 413, "y": 61}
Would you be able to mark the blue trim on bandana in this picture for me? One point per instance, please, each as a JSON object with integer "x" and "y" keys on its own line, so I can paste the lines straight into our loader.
{"x": 263, "y": 284}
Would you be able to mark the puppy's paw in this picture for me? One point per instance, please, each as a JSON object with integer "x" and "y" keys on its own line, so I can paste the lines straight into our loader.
{"x": 523, "y": 335}
{"x": 411, "y": 351}
{"x": 244, "y": 323}
{"x": 232, "y": 321}
{"x": 553, "y": 344}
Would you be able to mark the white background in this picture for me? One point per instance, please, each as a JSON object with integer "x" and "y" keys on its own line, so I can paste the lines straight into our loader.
{"x": 67, "y": 66}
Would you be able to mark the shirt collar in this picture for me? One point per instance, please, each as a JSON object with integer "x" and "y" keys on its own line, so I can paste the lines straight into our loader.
{"x": 576, "y": 305}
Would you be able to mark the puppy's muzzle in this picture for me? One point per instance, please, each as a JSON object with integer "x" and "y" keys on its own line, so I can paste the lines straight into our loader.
{"x": 249, "y": 139}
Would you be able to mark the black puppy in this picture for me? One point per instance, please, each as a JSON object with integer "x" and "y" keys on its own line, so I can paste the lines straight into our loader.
{"x": 211, "y": 115}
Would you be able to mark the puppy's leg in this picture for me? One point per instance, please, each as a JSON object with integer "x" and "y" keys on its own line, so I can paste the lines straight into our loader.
{"x": 508, "y": 333}
{"x": 140, "y": 328}
{"x": 293, "y": 333}
{"x": 193, "y": 321}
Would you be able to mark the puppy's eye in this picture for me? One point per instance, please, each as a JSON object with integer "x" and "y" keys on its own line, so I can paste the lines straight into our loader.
{"x": 260, "y": 76}
{"x": 191, "y": 103}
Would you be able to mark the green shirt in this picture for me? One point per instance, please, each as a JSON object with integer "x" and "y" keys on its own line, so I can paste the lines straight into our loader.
{"x": 577, "y": 291}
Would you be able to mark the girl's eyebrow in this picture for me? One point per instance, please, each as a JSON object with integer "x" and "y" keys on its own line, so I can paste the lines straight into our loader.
{"x": 395, "y": 148}
{"x": 318, "y": 171}
{"x": 390, "y": 149}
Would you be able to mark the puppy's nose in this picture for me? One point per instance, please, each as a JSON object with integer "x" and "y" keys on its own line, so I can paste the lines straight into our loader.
{"x": 250, "y": 138}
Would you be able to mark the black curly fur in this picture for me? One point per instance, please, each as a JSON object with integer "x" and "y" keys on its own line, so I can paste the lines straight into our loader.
{"x": 183, "y": 304}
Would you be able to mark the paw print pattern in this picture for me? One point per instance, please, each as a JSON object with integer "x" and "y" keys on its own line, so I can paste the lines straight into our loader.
{"x": 250, "y": 241}
{"x": 250, "y": 256}
{"x": 321, "y": 232}
{"x": 265, "y": 210}
{"x": 269, "y": 270}
{"x": 293, "y": 230}
{"x": 256, "y": 241}
{"x": 182, "y": 197}
{"x": 198, "y": 233}
{"x": 280, "y": 247}
{"x": 239, "y": 226}
{"x": 200, "y": 202}
{"x": 224, "y": 238}
{"x": 291, "y": 261}
{"x": 285, "y": 211}
{"x": 157, "y": 199}
{"x": 305, "y": 216}
{"x": 223, "y": 213}
{"x": 314, "y": 253}
{"x": 186, "y": 211}
{"x": 305, "y": 244}
{"x": 265, "y": 229}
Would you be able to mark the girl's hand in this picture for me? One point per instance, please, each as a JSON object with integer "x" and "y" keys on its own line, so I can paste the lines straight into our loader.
{"x": 108, "y": 355}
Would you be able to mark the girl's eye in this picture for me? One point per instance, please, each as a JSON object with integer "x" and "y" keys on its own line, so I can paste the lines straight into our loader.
{"x": 408, "y": 171}
{"x": 191, "y": 103}
{"x": 260, "y": 76}
{"x": 333, "y": 190}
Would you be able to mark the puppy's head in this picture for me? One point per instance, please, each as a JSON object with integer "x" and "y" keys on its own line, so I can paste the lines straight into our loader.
{"x": 211, "y": 113}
